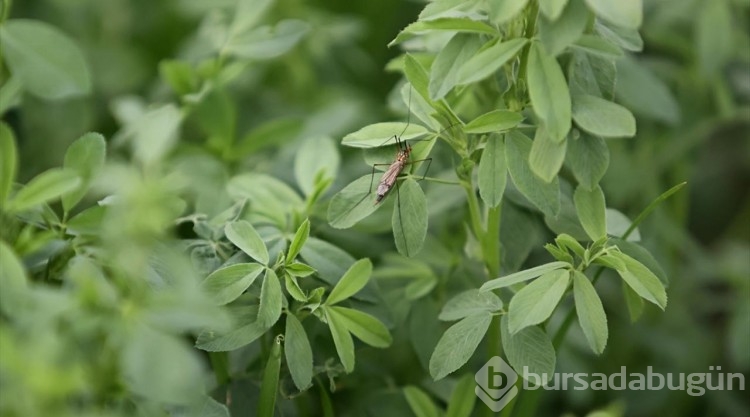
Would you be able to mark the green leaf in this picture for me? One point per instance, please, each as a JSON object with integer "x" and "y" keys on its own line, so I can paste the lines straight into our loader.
{"x": 590, "y": 312}
{"x": 366, "y": 327}
{"x": 317, "y": 159}
{"x": 226, "y": 284}
{"x": 299, "y": 269}
{"x": 270, "y": 300}
{"x": 180, "y": 76}
{"x": 502, "y": 11}
{"x": 409, "y": 218}
{"x": 530, "y": 349}
{"x": 596, "y": 45}
{"x": 546, "y": 156}
{"x": 149, "y": 361}
{"x": 522, "y": 276}
{"x": 535, "y": 302}
{"x": 206, "y": 407}
{"x": 342, "y": 339}
{"x": 628, "y": 14}
{"x": 248, "y": 14}
{"x": 462, "y": 399}
{"x": 13, "y": 281}
{"x": 419, "y": 287}
{"x": 10, "y": 94}
{"x": 245, "y": 330}
{"x": 488, "y": 60}
{"x": 627, "y": 39}
{"x": 602, "y": 117}
{"x": 216, "y": 115}
{"x": 47, "y": 186}
{"x": 552, "y": 9}
{"x": 420, "y": 403}
{"x": 353, "y": 203}
{"x": 243, "y": 235}
{"x": 154, "y": 134}
{"x": 569, "y": 243}
{"x": 559, "y": 34}
{"x": 8, "y": 161}
{"x": 591, "y": 209}
{"x": 634, "y": 302}
{"x": 381, "y": 134}
{"x": 269, "y": 385}
{"x": 588, "y": 158}
{"x": 592, "y": 74}
{"x": 714, "y": 37}
{"x": 468, "y": 303}
{"x": 48, "y": 62}
{"x": 642, "y": 280}
{"x": 354, "y": 279}
{"x": 642, "y": 255}
{"x": 453, "y": 24}
{"x": 293, "y": 288}
{"x": 640, "y": 90}
{"x": 86, "y": 157}
{"x": 494, "y": 121}
{"x": 548, "y": 92}
{"x": 418, "y": 78}
{"x": 299, "y": 356}
{"x": 493, "y": 171}
{"x": 457, "y": 344}
{"x": 267, "y": 42}
{"x": 448, "y": 62}
{"x": 543, "y": 195}
{"x": 330, "y": 261}
{"x": 618, "y": 224}
{"x": 300, "y": 237}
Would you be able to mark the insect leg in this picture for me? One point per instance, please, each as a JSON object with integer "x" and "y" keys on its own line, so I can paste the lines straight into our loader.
{"x": 429, "y": 162}
{"x": 400, "y": 220}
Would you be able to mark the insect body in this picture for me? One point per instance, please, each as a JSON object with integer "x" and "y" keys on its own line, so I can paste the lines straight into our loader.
{"x": 388, "y": 180}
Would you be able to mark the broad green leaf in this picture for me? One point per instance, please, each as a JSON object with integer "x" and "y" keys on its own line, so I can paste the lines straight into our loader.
{"x": 543, "y": 195}
{"x": 642, "y": 255}
{"x": 87, "y": 222}
{"x": 8, "y": 161}
{"x": 381, "y": 134}
{"x": 299, "y": 269}
{"x": 47, "y": 61}
{"x": 591, "y": 209}
{"x": 611, "y": 262}
{"x": 590, "y": 74}
{"x": 245, "y": 330}
{"x": 453, "y": 24}
{"x": 86, "y": 157}
{"x": 618, "y": 224}
{"x": 354, "y": 279}
{"x": 330, "y": 261}
{"x": 714, "y": 37}
{"x": 634, "y": 302}
{"x": 366, "y": 327}
{"x": 568, "y": 242}
{"x": 494, "y": 121}
{"x": 448, "y": 62}
{"x": 154, "y": 133}
{"x": 548, "y": 92}
{"x": 642, "y": 280}
{"x": 300, "y": 237}
{"x": 293, "y": 288}
{"x": 409, "y": 218}
{"x": 493, "y": 171}
{"x": 457, "y": 344}
{"x": 13, "y": 281}
{"x": 270, "y": 300}
{"x": 628, "y": 14}
{"x": 468, "y": 303}
{"x": 226, "y": 284}
{"x": 596, "y": 45}
{"x": 462, "y": 399}
{"x": 640, "y": 90}
{"x": 180, "y": 76}
{"x": 522, "y": 276}
{"x": 47, "y": 186}
{"x": 588, "y": 158}
{"x": 419, "y": 107}
{"x": 267, "y": 42}
{"x": 530, "y": 348}
{"x": 559, "y": 34}
{"x": 216, "y": 115}
{"x": 269, "y": 385}
{"x": 243, "y": 235}
{"x": 590, "y": 312}
{"x": 418, "y": 77}
{"x": 317, "y": 158}
{"x": 552, "y": 9}
{"x": 149, "y": 360}
{"x": 342, "y": 339}
{"x": 420, "y": 403}
{"x": 535, "y": 302}
{"x": 546, "y": 156}
{"x": 502, "y": 11}
{"x": 419, "y": 287}
{"x": 299, "y": 356}
{"x": 10, "y": 94}
{"x": 602, "y": 117}
{"x": 488, "y": 60}
{"x": 625, "y": 38}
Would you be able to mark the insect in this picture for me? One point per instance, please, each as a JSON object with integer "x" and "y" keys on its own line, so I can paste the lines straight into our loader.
{"x": 390, "y": 176}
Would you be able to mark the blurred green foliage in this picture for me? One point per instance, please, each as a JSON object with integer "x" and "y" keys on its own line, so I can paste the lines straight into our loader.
{"x": 181, "y": 262}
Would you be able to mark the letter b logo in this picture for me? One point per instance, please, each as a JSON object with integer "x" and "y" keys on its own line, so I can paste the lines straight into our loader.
{"x": 496, "y": 384}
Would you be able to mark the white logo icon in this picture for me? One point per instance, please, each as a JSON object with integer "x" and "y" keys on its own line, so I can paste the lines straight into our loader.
{"x": 496, "y": 384}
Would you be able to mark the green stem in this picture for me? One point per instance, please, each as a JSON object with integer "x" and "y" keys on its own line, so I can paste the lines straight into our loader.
{"x": 437, "y": 180}
{"x": 474, "y": 213}
{"x": 492, "y": 241}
